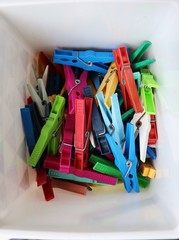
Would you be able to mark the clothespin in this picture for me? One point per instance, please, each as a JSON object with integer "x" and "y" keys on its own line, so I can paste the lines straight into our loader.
{"x": 150, "y": 152}
{"x": 148, "y": 83}
{"x": 141, "y": 122}
{"x": 127, "y": 163}
{"x": 109, "y": 84}
{"x": 137, "y": 55}
{"x": 48, "y": 190}
{"x": 112, "y": 119}
{"x": 107, "y": 167}
{"x": 69, "y": 186}
{"x": 88, "y": 60}
{"x": 52, "y": 163}
{"x": 49, "y": 130}
{"x": 137, "y": 78}
{"x": 40, "y": 98}
{"x": 67, "y": 143}
{"x": 74, "y": 87}
{"x": 126, "y": 79}
{"x": 127, "y": 114}
{"x": 55, "y": 79}
{"x": 83, "y": 114}
{"x": 153, "y": 135}
{"x": 35, "y": 119}
{"x": 56, "y": 174}
{"x": 97, "y": 124}
{"x": 147, "y": 170}
{"x": 41, "y": 177}
{"x": 96, "y": 78}
{"x": 28, "y": 128}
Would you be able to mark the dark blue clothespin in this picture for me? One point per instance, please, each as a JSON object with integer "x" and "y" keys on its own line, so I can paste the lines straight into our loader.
{"x": 97, "y": 124}
{"x": 37, "y": 124}
{"x": 28, "y": 128}
{"x": 127, "y": 163}
{"x": 96, "y": 78}
{"x": 88, "y": 60}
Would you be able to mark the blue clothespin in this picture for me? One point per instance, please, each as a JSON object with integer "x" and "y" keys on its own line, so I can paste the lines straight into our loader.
{"x": 97, "y": 124}
{"x": 96, "y": 78}
{"x": 88, "y": 60}
{"x": 127, "y": 163}
{"x": 150, "y": 151}
{"x": 28, "y": 128}
{"x": 112, "y": 119}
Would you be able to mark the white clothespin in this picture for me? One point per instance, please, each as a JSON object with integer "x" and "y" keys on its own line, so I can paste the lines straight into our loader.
{"x": 142, "y": 126}
{"x": 40, "y": 98}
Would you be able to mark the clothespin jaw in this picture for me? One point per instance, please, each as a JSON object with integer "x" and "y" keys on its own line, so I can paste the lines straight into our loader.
{"x": 153, "y": 135}
{"x": 109, "y": 84}
{"x": 127, "y": 164}
{"x": 141, "y": 122}
{"x": 88, "y": 60}
{"x": 97, "y": 124}
{"x": 74, "y": 87}
{"x": 137, "y": 55}
{"x": 126, "y": 79}
{"x": 48, "y": 130}
{"x": 148, "y": 83}
{"x": 112, "y": 119}
{"x": 83, "y": 114}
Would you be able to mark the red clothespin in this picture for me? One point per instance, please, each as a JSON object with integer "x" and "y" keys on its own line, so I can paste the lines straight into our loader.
{"x": 126, "y": 79}
{"x": 41, "y": 177}
{"x": 153, "y": 135}
{"x": 67, "y": 143}
{"x": 48, "y": 190}
{"x": 83, "y": 115}
{"x": 29, "y": 100}
{"x": 74, "y": 87}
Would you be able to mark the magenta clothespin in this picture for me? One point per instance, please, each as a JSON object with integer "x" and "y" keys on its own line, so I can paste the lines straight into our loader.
{"x": 67, "y": 143}
{"x": 74, "y": 87}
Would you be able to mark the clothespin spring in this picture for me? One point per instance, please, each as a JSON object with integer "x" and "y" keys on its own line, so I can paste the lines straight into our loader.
{"x": 122, "y": 73}
{"x": 128, "y": 164}
{"x": 55, "y": 133}
{"x": 77, "y": 82}
{"x": 144, "y": 86}
{"x": 112, "y": 72}
{"x": 86, "y": 63}
{"x": 87, "y": 134}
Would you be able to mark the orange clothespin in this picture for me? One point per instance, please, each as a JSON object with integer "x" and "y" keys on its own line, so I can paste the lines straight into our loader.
{"x": 83, "y": 115}
{"x": 126, "y": 79}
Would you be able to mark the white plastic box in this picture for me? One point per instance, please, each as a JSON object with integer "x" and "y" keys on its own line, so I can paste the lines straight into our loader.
{"x": 29, "y": 26}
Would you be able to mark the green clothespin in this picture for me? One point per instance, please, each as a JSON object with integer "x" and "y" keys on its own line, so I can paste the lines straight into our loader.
{"x": 105, "y": 166}
{"x": 56, "y": 174}
{"x": 49, "y": 129}
{"x": 127, "y": 114}
{"x": 138, "y": 54}
{"x": 148, "y": 83}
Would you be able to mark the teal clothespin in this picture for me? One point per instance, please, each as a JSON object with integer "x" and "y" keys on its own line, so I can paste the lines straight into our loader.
{"x": 138, "y": 54}
{"x": 137, "y": 78}
{"x": 49, "y": 130}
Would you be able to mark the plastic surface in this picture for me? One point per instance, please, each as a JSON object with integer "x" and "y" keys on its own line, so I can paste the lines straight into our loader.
{"x": 152, "y": 214}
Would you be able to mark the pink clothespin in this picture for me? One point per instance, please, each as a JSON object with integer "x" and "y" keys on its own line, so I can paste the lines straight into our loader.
{"x": 74, "y": 87}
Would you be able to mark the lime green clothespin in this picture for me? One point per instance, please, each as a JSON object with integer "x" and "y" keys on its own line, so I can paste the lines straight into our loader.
{"x": 137, "y": 55}
{"x": 148, "y": 83}
{"x": 105, "y": 166}
{"x": 50, "y": 128}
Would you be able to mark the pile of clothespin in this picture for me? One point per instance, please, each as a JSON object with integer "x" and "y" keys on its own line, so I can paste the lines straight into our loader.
{"x": 90, "y": 120}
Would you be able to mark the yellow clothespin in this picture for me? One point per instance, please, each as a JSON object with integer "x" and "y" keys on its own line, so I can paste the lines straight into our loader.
{"x": 147, "y": 170}
{"x": 109, "y": 84}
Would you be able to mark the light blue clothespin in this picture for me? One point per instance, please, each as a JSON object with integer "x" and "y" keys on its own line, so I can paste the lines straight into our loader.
{"x": 137, "y": 78}
{"x": 88, "y": 60}
{"x": 127, "y": 163}
{"x": 112, "y": 119}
